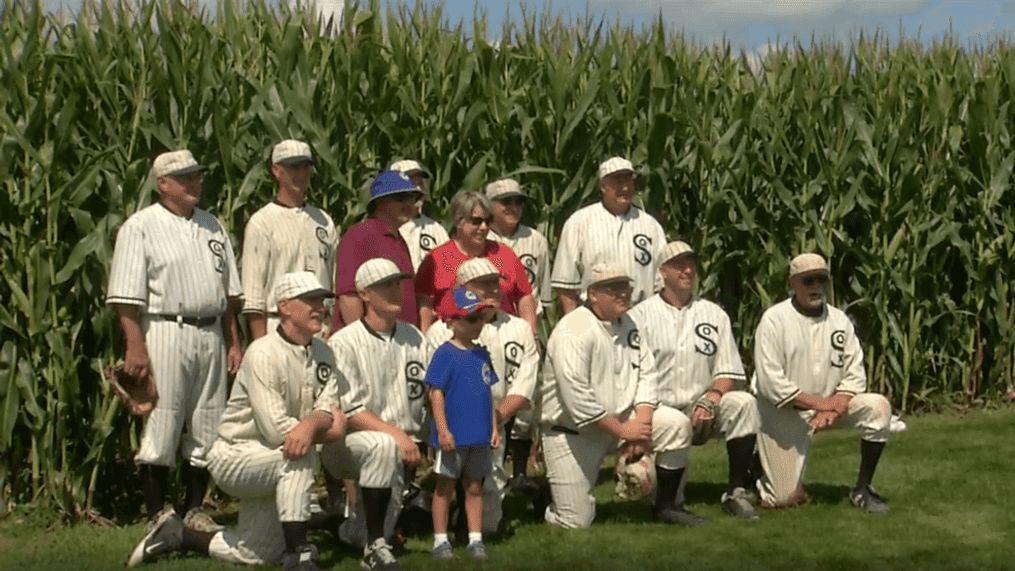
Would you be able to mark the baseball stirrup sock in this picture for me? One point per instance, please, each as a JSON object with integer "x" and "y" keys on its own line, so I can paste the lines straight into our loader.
{"x": 196, "y": 480}
{"x": 154, "y": 480}
{"x": 375, "y": 506}
{"x": 197, "y": 541}
{"x": 740, "y": 452}
{"x": 668, "y": 483}
{"x": 870, "y": 454}
{"x": 520, "y": 456}
{"x": 295, "y": 533}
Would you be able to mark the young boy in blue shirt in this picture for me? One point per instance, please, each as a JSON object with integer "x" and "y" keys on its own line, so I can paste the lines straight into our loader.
{"x": 462, "y": 428}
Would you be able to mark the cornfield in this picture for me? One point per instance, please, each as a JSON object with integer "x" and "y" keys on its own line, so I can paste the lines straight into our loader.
{"x": 893, "y": 160}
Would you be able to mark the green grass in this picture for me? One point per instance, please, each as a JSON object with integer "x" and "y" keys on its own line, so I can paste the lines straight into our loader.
{"x": 949, "y": 481}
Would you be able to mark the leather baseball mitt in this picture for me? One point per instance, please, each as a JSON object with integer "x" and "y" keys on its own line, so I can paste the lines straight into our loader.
{"x": 137, "y": 394}
{"x": 708, "y": 428}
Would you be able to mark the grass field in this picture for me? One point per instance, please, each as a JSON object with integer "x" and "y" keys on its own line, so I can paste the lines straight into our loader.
{"x": 949, "y": 480}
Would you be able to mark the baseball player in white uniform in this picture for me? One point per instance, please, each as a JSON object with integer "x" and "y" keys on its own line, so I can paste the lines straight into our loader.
{"x": 284, "y": 401}
{"x": 810, "y": 376}
{"x": 512, "y": 348}
{"x": 700, "y": 369}
{"x": 174, "y": 285}
{"x": 286, "y": 235}
{"x": 612, "y": 230}
{"x": 600, "y": 389}
{"x": 421, "y": 233}
{"x": 533, "y": 250}
{"x": 382, "y": 362}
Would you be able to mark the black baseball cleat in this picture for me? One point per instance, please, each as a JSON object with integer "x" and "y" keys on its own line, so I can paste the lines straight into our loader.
{"x": 680, "y": 516}
{"x": 524, "y": 485}
{"x": 867, "y": 499}
{"x": 304, "y": 559}
{"x": 378, "y": 557}
{"x": 163, "y": 538}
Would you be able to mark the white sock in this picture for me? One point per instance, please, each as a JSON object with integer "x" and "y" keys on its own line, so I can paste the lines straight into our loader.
{"x": 439, "y": 538}
{"x": 475, "y": 537}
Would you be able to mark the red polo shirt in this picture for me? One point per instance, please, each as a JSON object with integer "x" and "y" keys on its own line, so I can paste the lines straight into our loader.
{"x": 361, "y": 242}
{"x": 438, "y": 272}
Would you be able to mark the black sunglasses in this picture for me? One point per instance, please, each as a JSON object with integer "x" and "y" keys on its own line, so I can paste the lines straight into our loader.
{"x": 407, "y": 197}
{"x": 813, "y": 279}
{"x": 513, "y": 200}
{"x": 479, "y": 220}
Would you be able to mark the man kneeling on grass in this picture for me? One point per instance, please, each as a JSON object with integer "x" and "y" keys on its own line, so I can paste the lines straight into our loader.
{"x": 283, "y": 402}
{"x": 810, "y": 377}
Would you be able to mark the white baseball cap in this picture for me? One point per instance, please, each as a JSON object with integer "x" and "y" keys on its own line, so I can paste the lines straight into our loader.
{"x": 676, "y": 249}
{"x": 807, "y": 263}
{"x": 605, "y": 272}
{"x": 291, "y": 152}
{"x": 503, "y": 188}
{"x": 613, "y": 165}
{"x": 300, "y": 284}
{"x": 476, "y": 268}
{"x": 408, "y": 167}
{"x": 175, "y": 163}
{"x": 376, "y": 271}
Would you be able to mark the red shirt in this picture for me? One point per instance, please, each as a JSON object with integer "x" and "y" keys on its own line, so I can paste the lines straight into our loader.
{"x": 438, "y": 273}
{"x": 372, "y": 239}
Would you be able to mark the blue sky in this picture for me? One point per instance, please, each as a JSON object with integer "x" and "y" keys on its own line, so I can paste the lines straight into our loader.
{"x": 755, "y": 24}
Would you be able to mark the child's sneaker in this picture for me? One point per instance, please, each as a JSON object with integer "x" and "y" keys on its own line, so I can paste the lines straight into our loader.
{"x": 477, "y": 550}
{"x": 443, "y": 552}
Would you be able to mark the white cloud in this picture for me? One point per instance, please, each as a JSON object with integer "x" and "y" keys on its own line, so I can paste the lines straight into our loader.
{"x": 963, "y": 18}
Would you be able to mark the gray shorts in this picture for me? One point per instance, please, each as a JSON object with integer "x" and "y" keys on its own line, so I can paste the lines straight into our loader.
{"x": 465, "y": 462}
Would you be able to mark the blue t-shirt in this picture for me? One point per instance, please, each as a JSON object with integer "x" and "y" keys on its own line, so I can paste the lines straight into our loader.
{"x": 465, "y": 376}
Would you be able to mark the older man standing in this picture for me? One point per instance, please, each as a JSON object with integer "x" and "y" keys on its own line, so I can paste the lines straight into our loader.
{"x": 810, "y": 376}
{"x": 600, "y": 390}
{"x": 392, "y": 199}
{"x": 699, "y": 367}
{"x": 612, "y": 230}
{"x": 286, "y": 235}
{"x": 174, "y": 286}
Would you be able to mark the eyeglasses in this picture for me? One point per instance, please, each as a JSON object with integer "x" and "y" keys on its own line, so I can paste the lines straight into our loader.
{"x": 407, "y": 197}
{"x": 479, "y": 220}
{"x": 513, "y": 200}
{"x": 813, "y": 279}
{"x": 616, "y": 288}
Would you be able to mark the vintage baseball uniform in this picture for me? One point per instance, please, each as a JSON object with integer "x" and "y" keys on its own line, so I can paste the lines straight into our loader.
{"x": 515, "y": 357}
{"x": 381, "y": 373}
{"x": 279, "y": 384}
{"x": 277, "y": 240}
{"x": 439, "y": 272}
{"x": 533, "y": 251}
{"x": 693, "y": 346}
{"x": 422, "y": 234}
{"x": 593, "y": 235}
{"x": 595, "y": 368}
{"x": 179, "y": 272}
{"x": 821, "y": 356}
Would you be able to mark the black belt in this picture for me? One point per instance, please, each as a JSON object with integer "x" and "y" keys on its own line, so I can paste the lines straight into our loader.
{"x": 564, "y": 429}
{"x": 195, "y": 321}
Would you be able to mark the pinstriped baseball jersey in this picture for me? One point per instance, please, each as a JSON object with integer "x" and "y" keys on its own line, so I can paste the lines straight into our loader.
{"x": 512, "y": 349}
{"x": 593, "y": 235}
{"x": 168, "y": 264}
{"x": 533, "y": 250}
{"x": 595, "y": 368}
{"x": 815, "y": 355}
{"x": 383, "y": 372}
{"x": 278, "y": 240}
{"x": 692, "y": 347}
{"x": 422, "y": 234}
{"x": 279, "y": 384}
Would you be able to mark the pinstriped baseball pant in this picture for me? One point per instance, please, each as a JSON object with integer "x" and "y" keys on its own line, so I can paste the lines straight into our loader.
{"x": 372, "y": 459}
{"x": 271, "y": 490}
{"x": 784, "y": 441}
{"x": 573, "y": 461}
{"x": 189, "y": 368}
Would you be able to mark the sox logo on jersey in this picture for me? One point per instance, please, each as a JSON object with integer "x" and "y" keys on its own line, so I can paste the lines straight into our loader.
{"x": 323, "y": 375}
{"x": 513, "y": 353}
{"x": 218, "y": 249}
{"x": 529, "y": 263}
{"x": 414, "y": 372}
{"x": 641, "y": 244}
{"x": 634, "y": 339}
{"x": 838, "y": 340}
{"x": 707, "y": 333}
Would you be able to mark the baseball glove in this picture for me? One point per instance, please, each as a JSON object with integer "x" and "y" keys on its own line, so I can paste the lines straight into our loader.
{"x": 137, "y": 394}
{"x": 708, "y": 428}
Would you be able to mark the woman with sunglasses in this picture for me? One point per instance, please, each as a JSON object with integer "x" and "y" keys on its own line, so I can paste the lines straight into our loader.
{"x": 471, "y": 212}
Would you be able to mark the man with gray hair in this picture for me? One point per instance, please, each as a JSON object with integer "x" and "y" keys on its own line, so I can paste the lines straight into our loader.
{"x": 612, "y": 230}
{"x": 286, "y": 235}
{"x": 810, "y": 376}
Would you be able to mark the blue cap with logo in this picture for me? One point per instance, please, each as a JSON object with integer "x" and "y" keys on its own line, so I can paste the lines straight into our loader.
{"x": 460, "y": 302}
{"x": 391, "y": 182}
